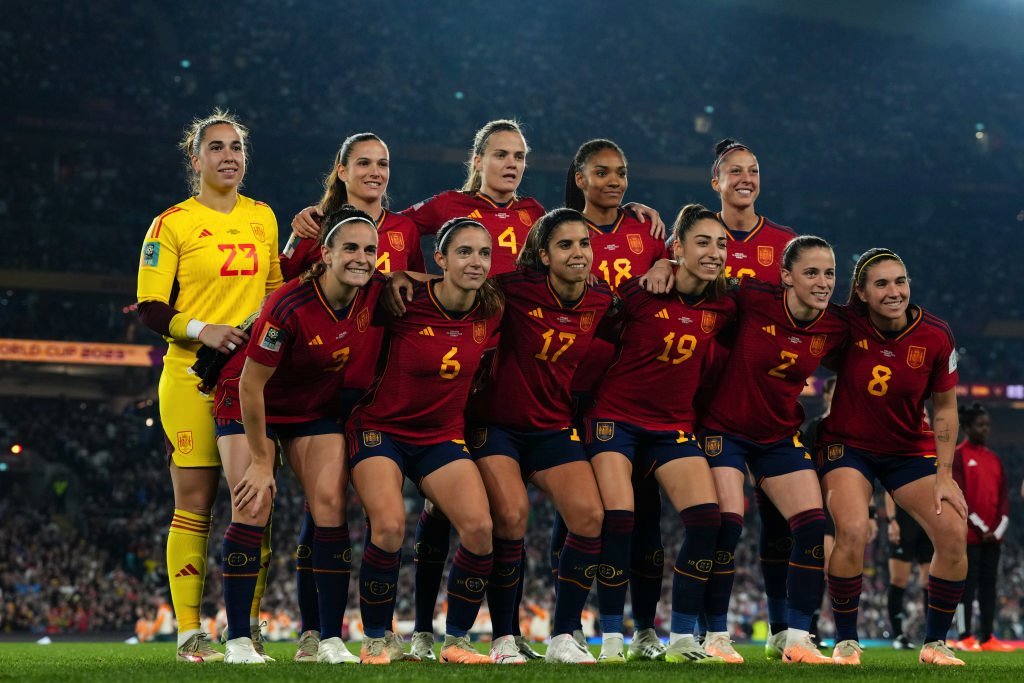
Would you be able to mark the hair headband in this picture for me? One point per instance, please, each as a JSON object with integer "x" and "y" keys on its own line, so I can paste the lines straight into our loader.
{"x": 341, "y": 223}
{"x": 725, "y": 152}
{"x": 444, "y": 237}
{"x": 885, "y": 254}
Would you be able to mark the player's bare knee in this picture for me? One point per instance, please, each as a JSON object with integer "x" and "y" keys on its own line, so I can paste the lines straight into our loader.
{"x": 477, "y": 535}
{"x": 586, "y": 520}
{"x": 851, "y": 535}
{"x": 388, "y": 533}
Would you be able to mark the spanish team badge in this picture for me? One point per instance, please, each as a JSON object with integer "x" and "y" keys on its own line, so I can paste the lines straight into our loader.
{"x": 586, "y": 320}
{"x": 185, "y": 442}
{"x": 818, "y": 344}
{"x": 707, "y": 321}
{"x": 766, "y": 255}
{"x": 636, "y": 243}
{"x": 371, "y": 438}
{"x": 257, "y": 231}
{"x": 604, "y": 431}
{"x": 713, "y": 446}
{"x": 479, "y": 331}
{"x": 915, "y": 356}
{"x": 397, "y": 241}
{"x": 524, "y": 217}
{"x": 834, "y": 451}
{"x": 363, "y": 319}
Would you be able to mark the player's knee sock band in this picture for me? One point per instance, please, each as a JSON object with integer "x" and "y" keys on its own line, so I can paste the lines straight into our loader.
{"x": 378, "y": 582}
{"x": 576, "y": 570}
{"x": 693, "y": 564}
{"x": 806, "y": 567}
{"x": 723, "y": 571}
{"x": 305, "y": 585}
{"x": 430, "y": 552}
{"x": 241, "y": 567}
{"x": 332, "y": 570}
{"x": 558, "y": 533}
{"x": 613, "y": 569}
{"x": 467, "y": 583}
{"x": 187, "y": 542}
{"x": 776, "y": 544}
{"x": 943, "y": 597}
{"x": 844, "y": 592}
{"x": 647, "y": 564}
{"x": 506, "y": 577}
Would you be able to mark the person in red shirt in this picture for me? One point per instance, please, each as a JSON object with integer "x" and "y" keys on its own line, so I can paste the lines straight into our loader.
{"x": 304, "y": 336}
{"x": 632, "y": 433}
{"x": 980, "y": 474}
{"x": 410, "y": 424}
{"x": 752, "y": 421}
{"x": 898, "y": 356}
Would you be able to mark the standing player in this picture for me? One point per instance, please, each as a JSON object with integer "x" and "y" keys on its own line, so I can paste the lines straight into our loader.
{"x": 633, "y": 432}
{"x": 306, "y": 335}
{"x": 410, "y": 424}
{"x": 206, "y": 263}
{"x": 523, "y": 429}
{"x": 899, "y": 355}
{"x": 752, "y": 422}
{"x": 623, "y": 247}
{"x": 980, "y": 474}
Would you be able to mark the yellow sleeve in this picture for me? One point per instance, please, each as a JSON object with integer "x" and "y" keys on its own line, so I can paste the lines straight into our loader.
{"x": 158, "y": 262}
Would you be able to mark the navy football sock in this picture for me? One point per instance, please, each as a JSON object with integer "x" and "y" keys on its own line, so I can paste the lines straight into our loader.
{"x": 467, "y": 582}
{"x": 430, "y": 554}
{"x": 332, "y": 570}
{"x": 806, "y": 567}
{"x": 241, "y": 567}
{"x": 693, "y": 564}
{"x": 613, "y": 569}
{"x": 378, "y": 581}
{"x": 723, "y": 572}
{"x": 576, "y": 569}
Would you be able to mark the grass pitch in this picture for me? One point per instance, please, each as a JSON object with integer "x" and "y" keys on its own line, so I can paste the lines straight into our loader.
{"x": 155, "y": 663}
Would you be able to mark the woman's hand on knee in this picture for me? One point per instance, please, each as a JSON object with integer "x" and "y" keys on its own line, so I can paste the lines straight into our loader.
{"x": 255, "y": 492}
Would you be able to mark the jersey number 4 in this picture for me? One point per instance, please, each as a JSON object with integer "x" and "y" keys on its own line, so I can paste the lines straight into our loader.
{"x": 245, "y": 254}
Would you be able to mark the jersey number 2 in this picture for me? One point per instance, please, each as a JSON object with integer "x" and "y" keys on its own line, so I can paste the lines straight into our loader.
{"x": 788, "y": 359}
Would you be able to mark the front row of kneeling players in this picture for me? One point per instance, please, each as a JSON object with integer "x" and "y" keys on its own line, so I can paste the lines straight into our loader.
{"x": 331, "y": 322}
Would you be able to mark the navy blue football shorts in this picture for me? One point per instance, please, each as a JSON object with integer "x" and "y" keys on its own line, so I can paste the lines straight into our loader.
{"x": 534, "y": 451}
{"x": 764, "y": 460}
{"x": 414, "y": 462}
{"x": 647, "y": 450}
{"x": 892, "y": 471}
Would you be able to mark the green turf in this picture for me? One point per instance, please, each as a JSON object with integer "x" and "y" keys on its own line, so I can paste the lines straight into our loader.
{"x": 153, "y": 663}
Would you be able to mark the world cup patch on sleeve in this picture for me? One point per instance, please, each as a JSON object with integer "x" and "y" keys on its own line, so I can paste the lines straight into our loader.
{"x": 150, "y": 254}
{"x": 271, "y": 338}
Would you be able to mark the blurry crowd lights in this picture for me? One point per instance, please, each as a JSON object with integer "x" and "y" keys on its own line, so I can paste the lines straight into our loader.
{"x": 16, "y": 449}
{"x": 979, "y": 131}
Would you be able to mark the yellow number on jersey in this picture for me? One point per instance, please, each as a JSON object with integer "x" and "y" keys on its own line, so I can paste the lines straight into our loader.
{"x": 741, "y": 273}
{"x": 567, "y": 339}
{"x": 508, "y": 239}
{"x": 623, "y": 271}
{"x": 687, "y": 343}
{"x": 449, "y": 366}
{"x": 384, "y": 262}
{"x": 340, "y": 359}
{"x": 879, "y": 385}
{"x": 788, "y": 358}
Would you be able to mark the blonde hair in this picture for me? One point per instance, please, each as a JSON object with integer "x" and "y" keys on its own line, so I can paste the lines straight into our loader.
{"x": 474, "y": 179}
{"x": 192, "y": 143}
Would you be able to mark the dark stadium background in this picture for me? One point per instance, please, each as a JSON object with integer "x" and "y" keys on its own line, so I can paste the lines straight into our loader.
{"x": 875, "y": 123}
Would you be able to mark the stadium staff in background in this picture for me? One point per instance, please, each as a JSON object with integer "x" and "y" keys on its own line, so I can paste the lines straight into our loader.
{"x": 632, "y": 433}
{"x": 307, "y": 335}
{"x": 410, "y": 424}
{"x": 980, "y": 474}
{"x": 206, "y": 263}
{"x": 898, "y": 356}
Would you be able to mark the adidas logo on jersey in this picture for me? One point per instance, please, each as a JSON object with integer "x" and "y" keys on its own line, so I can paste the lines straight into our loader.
{"x": 205, "y": 233}
{"x": 476, "y": 214}
{"x": 663, "y": 314}
{"x": 862, "y": 344}
{"x": 770, "y": 329}
{"x": 316, "y": 341}
{"x": 187, "y": 570}
{"x": 427, "y": 332}
{"x": 537, "y": 313}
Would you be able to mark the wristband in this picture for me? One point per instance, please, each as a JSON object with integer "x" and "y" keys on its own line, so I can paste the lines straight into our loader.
{"x": 194, "y": 328}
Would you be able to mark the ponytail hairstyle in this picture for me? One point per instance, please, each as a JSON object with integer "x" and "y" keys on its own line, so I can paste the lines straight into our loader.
{"x": 860, "y": 273}
{"x": 722, "y": 150}
{"x": 540, "y": 236}
{"x": 688, "y": 217}
{"x": 968, "y": 414}
{"x": 474, "y": 180}
{"x": 335, "y": 194}
{"x": 330, "y": 228}
{"x": 574, "y": 198}
{"x": 192, "y": 143}
{"x": 489, "y": 294}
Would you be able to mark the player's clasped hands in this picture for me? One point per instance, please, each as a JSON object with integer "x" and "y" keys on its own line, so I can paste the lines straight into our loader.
{"x": 224, "y": 338}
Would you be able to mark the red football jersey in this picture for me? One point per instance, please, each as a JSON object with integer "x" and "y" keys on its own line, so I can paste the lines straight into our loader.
{"x": 622, "y": 251}
{"x": 542, "y": 344}
{"x": 398, "y": 248}
{"x": 664, "y": 338}
{"x": 425, "y": 370}
{"x": 980, "y": 474}
{"x": 508, "y": 223}
{"x": 755, "y": 397}
{"x": 298, "y": 333}
{"x": 883, "y": 383}
{"x": 757, "y": 253}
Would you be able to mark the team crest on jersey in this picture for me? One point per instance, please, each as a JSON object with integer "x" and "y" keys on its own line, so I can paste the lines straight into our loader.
{"x": 151, "y": 254}
{"x": 524, "y": 217}
{"x": 915, "y": 356}
{"x": 604, "y": 431}
{"x": 707, "y": 321}
{"x": 479, "y": 331}
{"x": 766, "y": 255}
{"x": 185, "y": 442}
{"x": 713, "y": 446}
{"x": 257, "y": 231}
{"x": 397, "y": 241}
{"x": 586, "y": 320}
{"x": 818, "y": 344}
{"x": 271, "y": 338}
{"x": 834, "y": 451}
{"x": 371, "y": 438}
{"x": 477, "y": 437}
{"x": 636, "y": 243}
{"x": 363, "y": 319}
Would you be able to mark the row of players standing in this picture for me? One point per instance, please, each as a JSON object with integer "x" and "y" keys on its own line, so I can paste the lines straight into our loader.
{"x": 549, "y": 292}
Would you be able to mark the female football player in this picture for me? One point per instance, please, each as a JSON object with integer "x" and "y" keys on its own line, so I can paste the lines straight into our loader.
{"x": 206, "y": 263}
{"x": 899, "y": 355}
